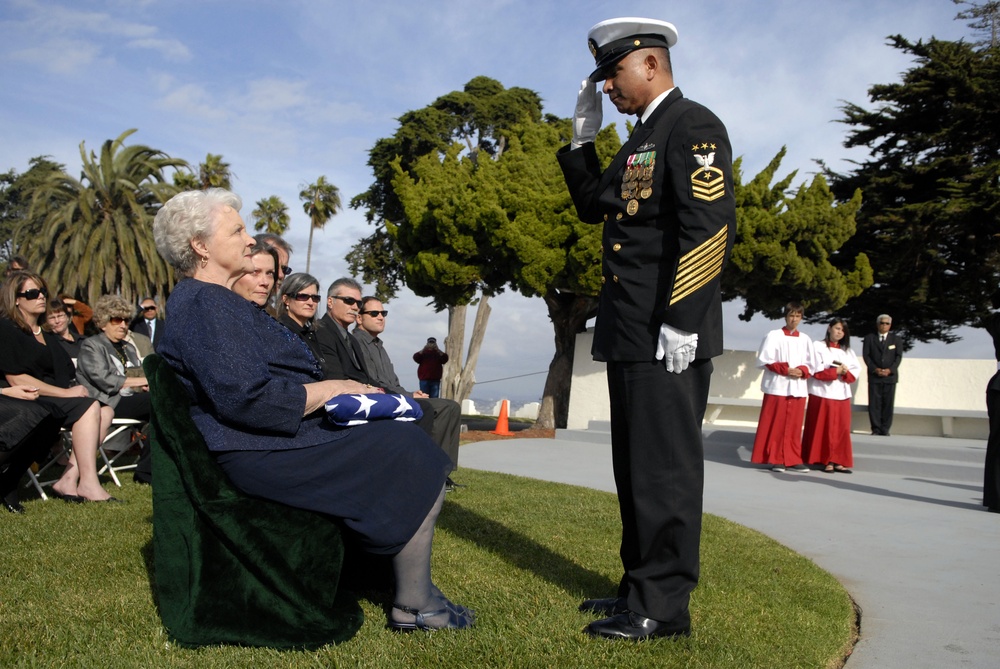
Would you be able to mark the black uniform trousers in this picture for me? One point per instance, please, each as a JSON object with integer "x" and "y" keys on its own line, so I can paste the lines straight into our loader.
{"x": 659, "y": 469}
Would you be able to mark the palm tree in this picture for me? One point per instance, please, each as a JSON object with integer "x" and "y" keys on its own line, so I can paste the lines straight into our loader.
{"x": 214, "y": 173}
{"x": 96, "y": 234}
{"x": 271, "y": 215}
{"x": 321, "y": 201}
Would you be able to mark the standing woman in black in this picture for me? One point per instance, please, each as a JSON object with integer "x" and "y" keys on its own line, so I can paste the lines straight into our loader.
{"x": 32, "y": 357}
{"x": 991, "y": 477}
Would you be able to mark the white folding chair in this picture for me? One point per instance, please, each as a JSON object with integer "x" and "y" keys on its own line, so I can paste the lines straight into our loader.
{"x": 110, "y": 451}
{"x": 34, "y": 478}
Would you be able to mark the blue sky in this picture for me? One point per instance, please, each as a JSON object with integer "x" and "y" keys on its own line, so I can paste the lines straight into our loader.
{"x": 288, "y": 90}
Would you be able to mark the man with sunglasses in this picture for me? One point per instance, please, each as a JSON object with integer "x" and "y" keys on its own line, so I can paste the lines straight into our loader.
{"x": 447, "y": 413}
{"x": 882, "y": 352}
{"x": 148, "y": 322}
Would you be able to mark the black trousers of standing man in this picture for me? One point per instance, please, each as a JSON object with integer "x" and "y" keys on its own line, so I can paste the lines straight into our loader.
{"x": 659, "y": 469}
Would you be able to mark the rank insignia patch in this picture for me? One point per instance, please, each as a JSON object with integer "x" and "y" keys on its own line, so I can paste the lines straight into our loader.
{"x": 708, "y": 183}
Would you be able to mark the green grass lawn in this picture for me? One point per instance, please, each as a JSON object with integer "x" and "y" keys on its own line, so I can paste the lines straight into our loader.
{"x": 74, "y": 592}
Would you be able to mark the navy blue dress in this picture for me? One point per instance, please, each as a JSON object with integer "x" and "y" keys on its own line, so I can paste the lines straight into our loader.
{"x": 245, "y": 373}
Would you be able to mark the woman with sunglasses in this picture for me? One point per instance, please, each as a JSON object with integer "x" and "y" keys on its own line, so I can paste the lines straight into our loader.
{"x": 109, "y": 366}
{"x": 297, "y": 306}
{"x": 257, "y": 285}
{"x": 257, "y": 398}
{"x": 29, "y": 356}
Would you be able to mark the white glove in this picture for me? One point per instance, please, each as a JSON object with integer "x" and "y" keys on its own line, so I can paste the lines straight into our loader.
{"x": 676, "y": 348}
{"x": 588, "y": 115}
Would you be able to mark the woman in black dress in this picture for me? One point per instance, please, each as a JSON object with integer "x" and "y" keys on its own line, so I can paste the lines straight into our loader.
{"x": 257, "y": 398}
{"x": 31, "y": 357}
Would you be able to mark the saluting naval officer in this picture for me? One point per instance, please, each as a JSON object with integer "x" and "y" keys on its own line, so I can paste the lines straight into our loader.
{"x": 669, "y": 215}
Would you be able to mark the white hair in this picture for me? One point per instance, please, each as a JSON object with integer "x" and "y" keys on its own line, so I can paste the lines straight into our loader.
{"x": 185, "y": 217}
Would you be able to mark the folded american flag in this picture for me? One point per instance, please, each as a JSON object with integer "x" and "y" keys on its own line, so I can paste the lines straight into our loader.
{"x": 348, "y": 410}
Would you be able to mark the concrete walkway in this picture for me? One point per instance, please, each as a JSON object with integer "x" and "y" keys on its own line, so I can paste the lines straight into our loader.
{"x": 905, "y": 533}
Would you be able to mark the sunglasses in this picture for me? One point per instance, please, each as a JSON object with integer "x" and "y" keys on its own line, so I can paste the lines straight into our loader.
{"x": 349, "y": 301}
{"x": 285, "y": 269}
{"x": 116, "y": 320}
{"x": 305, "y": 297}
{"x": 151, "y": 307}
{"x": 33, "y": 294}
{"x": 373, "y": 313}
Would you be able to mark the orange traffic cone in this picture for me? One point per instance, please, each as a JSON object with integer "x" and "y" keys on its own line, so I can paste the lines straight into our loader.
{"x": 501, "y": 427}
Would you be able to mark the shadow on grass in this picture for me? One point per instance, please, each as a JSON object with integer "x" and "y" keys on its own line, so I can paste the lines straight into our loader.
{"x": 523, "y": 552}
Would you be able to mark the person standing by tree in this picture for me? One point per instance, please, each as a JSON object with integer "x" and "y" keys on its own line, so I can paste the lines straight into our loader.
{"x": 430, "y": 367}
{"x": 669, "y": 213}
{"x": 991, "y": 477}
{"x": 882, "y": 353}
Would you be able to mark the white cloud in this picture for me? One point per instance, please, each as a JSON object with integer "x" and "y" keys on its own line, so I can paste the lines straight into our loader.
{"x": 171, "y": 49}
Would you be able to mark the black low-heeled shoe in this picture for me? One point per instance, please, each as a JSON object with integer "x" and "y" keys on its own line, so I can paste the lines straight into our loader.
{"x": 71, "y": 499}
{"x": 456, "y": 620}
{"x": 13, "y": 507}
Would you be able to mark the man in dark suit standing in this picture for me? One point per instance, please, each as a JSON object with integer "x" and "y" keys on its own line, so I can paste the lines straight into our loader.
{"x": 148, "y": 321}
{"x": 669, "y": 215}
{"x": 882, "y": 352}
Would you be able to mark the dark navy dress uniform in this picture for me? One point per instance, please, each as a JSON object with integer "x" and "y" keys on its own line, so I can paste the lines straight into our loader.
{"x": 245, "y": 373}
{"x": 668, "y": 209}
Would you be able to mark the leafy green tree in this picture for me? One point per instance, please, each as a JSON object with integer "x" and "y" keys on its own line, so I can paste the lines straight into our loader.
{"x": 479, "y": 227}
{"x": 15, "y": 199}
{"x": 96, "y": 233}
{"x": 321, "y": 202}
{"x": 786, "y": 245}
{"x": 472, "y": 121}
{"x": 931, "y": 190}
{"x": 271, "y": 215}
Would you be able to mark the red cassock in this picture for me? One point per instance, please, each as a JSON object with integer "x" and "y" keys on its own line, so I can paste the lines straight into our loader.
{"x": 827, "y": 435}
{"x": 779, "y": 430}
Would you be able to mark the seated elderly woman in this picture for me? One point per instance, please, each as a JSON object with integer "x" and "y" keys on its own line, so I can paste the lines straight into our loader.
{"x": 109, "y": 367}
{"x": 297, "y": 305}
{"x": 257, "y": 285}
{"x": 258, "y": 396}
{"x": 32, "y": 357}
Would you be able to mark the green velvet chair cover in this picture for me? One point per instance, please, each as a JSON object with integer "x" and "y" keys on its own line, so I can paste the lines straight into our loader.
{"x": 230, "y": 568}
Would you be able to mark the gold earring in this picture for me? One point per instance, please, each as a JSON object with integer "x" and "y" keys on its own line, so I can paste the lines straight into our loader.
{"x": 204, "y": 262}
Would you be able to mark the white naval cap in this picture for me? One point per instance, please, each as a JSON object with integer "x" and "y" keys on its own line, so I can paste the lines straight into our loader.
{"x": 612, "y": 40}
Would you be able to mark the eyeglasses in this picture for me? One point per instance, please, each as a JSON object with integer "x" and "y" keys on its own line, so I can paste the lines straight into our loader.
{"x": 151, "y": 307}
{"x": 349, "y": 301}
{"x": 116, "y": 320}
{"x": 33, "y": 294}
{"x": 305, "y": 297}
{"x": 285, "y": 269}
{"x": 885, "y": 323}
{"x": 374, "y": 313}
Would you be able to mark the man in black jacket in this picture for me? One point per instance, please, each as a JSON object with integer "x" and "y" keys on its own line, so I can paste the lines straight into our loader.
{"x": 668, "y": 209}
{"x": 882, "y": 352}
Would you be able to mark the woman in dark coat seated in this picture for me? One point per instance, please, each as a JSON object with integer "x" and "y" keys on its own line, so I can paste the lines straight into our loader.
{"x": 258, "y": 285}
{"x": 258, "y": 397}
{"x": 32, "y": 357}
{"x": 297, "y": 306}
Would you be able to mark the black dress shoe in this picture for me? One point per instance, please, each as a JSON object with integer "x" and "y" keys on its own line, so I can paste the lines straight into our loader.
{"x": 632, "y": 626}
{"x": 13, "y": 507}
{"x": 608, "y": 606}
